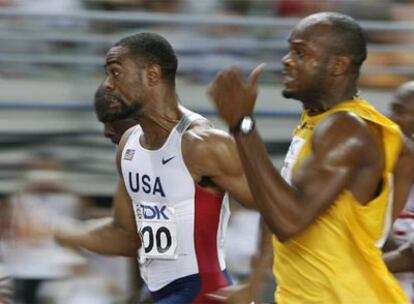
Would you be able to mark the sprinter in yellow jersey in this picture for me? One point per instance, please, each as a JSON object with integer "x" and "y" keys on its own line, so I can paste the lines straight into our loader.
{"x": 346, "y": 176}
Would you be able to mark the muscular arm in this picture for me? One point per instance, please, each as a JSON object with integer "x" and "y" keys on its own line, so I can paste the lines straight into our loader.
{"x": 114, "y": 236}
{"x": 400, "y": 259}
{"x": 343, "y": 149}
{"x": 341, "y": 145}
{"x": 261, "y": 263}
{"x": 403, "y": 176}
{"x": 213, "y": 153}
{"x": 110, "y": 236}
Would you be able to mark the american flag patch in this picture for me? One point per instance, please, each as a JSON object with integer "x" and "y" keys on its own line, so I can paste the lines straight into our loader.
{"x": 129, "y": 154}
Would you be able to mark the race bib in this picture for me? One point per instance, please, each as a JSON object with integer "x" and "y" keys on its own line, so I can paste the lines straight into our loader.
{"x": 158, "y": 230}
{"x": 291, "y": 157}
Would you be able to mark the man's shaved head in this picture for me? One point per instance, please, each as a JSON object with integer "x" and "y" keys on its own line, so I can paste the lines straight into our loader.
{"x": 341, "y": 34}
{"x": 405, "y": 93}
{"x": 402, "y": 108}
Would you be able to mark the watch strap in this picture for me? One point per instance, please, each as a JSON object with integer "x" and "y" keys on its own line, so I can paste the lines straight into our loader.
{"x": 236, "y": 129}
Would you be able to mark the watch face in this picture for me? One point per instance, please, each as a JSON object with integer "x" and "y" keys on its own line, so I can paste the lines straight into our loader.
{"x": 246, "y": 125}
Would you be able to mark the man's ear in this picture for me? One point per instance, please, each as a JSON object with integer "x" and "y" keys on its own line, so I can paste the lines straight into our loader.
{"x": 153, "y": 74}
{"x": 340, "y": 65}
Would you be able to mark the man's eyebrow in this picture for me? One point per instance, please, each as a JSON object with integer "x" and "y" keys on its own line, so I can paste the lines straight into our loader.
{"x": 110, "y": 62}
{"x": 297, "y": 42}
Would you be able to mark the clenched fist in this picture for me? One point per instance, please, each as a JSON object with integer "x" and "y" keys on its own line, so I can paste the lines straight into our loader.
{"x": 233, "y": 95}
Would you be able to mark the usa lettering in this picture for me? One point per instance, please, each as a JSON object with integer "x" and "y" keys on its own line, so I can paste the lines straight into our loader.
{"x": 153, "y": 212}
{"x": 144, "y": 183}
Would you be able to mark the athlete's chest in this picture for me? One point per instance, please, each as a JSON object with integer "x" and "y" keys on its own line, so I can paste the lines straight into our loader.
{"x": 299, "y": 150}
{"x": 156, "y": 175}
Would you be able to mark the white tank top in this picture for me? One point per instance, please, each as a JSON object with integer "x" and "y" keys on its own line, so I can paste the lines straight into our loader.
{"x": 181, "y": 225}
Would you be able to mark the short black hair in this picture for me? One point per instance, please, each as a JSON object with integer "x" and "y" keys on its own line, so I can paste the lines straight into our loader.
{"x": 350, "y": 37}
{"x": 152, "y": 48}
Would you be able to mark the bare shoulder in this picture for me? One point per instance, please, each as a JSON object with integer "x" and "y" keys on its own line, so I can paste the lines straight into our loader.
{"x": 403, "y": 175}
{"x": 205, "y": 149}
{"x": 346, "y": 135}
{"x": 407, "y": 153}
{"x": 408, "y": 146}
{"x": 122, "y": 144}
{"x": 200, "y": 141}
{"x": 405, "y": 164}
{"x": 125, "y": 137}
{"x": 341, "y": 124}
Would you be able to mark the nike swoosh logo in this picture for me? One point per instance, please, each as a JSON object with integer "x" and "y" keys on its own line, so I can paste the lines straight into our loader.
{"x": 164, "y": 161}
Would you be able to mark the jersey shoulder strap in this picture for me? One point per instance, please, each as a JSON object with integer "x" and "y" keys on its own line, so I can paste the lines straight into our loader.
{"x": 186, "y": 121}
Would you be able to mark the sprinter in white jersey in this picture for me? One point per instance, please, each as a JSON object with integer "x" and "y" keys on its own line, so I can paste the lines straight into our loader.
{"x": 175, "y": 171}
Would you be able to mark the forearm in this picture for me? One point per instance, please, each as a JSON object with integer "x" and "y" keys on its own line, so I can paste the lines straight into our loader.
{"x": 261, "y": 262}
{"x": 400, "y": 260}
{"x": 100, "y": 236}
{"x": 273, "y": 196}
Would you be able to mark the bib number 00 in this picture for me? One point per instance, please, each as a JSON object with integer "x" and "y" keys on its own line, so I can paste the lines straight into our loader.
{"x": 162, "y": 233}
{"x": 158, "y": 241}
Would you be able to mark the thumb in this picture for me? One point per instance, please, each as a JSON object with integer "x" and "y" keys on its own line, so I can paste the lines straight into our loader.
{"x": 255, "y": 74}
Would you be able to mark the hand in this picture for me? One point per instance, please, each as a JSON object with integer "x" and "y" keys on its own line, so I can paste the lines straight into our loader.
{"x": 236, "y": 294}
{"x": 234, "y": 96}
{"x": 65, "y": 237}
{"x": 24, "y": 226}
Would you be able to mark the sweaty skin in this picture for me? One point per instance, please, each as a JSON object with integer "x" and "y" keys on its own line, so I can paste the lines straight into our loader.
{"x": 345, "y": 160}
{"x": 402, "y": 112}
{"x": 209, "y": 154}
{"x": 347, "y": 152}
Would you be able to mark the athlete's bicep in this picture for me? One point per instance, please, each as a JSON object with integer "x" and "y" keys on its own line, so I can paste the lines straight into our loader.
{"x": 319, "y": 182}
{"x": 338, "y": 154}
{"x": 123, "y": 212}
{"x": 214, "y": 154}
{"x": 236, "y": 185}
{"x": 123, "y": 209}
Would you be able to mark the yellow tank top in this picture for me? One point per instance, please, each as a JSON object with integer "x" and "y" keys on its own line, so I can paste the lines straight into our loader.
{"x": 337, "y": 259}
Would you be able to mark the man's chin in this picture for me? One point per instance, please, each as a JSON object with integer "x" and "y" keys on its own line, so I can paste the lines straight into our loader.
{"x": 134, "y": 112}
{"x": 288, "y": 93}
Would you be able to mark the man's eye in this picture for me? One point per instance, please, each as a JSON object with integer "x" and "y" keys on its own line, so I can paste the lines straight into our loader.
{"x": 115, "y": 73}
{"x": 300, "y": 53}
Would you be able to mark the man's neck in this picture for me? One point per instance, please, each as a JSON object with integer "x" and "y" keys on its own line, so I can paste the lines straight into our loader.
{"x": 328, "y": 101}
{"x": 157, "y": 121}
